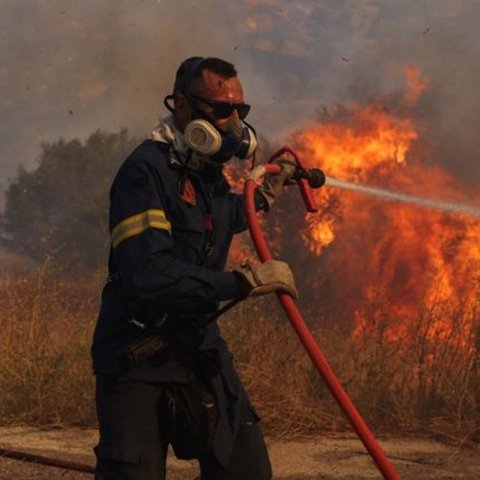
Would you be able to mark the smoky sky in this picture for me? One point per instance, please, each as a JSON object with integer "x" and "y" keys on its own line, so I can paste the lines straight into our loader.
{"x": 68, "y": 68}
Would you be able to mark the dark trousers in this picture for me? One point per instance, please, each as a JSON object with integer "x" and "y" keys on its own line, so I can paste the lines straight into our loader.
{"x": 134, "y": 437}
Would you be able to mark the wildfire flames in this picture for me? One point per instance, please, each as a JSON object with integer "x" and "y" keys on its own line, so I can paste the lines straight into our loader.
{"x": 397, "y": 263}
{"x": 417, "y": 260}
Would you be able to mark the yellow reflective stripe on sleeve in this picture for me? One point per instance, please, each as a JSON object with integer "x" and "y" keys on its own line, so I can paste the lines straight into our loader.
{"x": 138, "y": 223}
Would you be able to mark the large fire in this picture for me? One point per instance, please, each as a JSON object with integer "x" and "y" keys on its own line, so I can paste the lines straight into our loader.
{"x": 416, "y": 260}
{"x": 396, "y": 264}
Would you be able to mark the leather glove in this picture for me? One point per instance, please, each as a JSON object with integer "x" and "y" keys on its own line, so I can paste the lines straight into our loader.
{"x": 272, "y": 185}
{"x": 268, "y": 277}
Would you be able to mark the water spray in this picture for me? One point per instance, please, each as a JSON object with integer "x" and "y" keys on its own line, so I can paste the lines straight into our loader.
{"x": 316, "y": 178}
{"x": 440, "y": 205}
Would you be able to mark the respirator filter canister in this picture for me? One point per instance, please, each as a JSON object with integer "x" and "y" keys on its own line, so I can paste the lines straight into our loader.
{"x": 202, "y": 137}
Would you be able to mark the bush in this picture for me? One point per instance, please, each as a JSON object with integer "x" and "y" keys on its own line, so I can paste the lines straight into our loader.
{"x": 60, "y": 210}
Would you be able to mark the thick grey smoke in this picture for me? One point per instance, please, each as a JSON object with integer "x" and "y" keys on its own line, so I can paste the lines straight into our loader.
{"x": 68, "y": 68}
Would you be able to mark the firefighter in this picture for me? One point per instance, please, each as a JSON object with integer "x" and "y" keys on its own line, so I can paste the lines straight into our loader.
{"x": 172, "y": 218}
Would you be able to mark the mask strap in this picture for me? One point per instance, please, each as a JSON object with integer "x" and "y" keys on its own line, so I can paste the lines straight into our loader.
{"x": 250, "y": 127}
{"x": 184, "y": 174}
{"x": 167, "y": 105}
{"x": 254, "y": 156}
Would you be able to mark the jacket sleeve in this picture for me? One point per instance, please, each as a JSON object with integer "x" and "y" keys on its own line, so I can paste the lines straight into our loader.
{"x": 142, "y": 246}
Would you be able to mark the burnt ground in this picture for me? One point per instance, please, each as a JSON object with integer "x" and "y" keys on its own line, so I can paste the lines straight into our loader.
{"x": 324, "y": 457}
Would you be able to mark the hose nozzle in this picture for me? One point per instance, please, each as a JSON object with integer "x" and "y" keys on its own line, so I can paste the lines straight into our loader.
{"x": 314, "y": 176}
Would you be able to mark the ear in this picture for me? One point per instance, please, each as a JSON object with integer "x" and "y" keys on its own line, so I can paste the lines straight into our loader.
{"x": 180, "y": 102}
{"x": 182, "y": 110}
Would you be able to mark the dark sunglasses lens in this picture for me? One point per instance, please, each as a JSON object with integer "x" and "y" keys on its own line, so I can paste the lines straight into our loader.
{"x": 243, "y": 110}
{"x": 224, "y": 110}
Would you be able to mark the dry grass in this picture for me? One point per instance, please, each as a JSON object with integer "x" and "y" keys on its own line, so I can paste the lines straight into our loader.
{"x": 423, "y": 381}
{"x": 420, "y": 382}
{"x": 276, "y": 370}
{"x": 45, "y": 374}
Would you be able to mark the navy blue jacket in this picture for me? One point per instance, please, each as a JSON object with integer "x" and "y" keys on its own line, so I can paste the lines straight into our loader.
{"x": 171, "y": 232}
{"x": 168, "y": 251}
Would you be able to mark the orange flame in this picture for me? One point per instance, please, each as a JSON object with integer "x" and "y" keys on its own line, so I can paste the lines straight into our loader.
{"x": 416, "y": 260}
{"x": 416, "y": 84}
{"x": 373, "y": 142}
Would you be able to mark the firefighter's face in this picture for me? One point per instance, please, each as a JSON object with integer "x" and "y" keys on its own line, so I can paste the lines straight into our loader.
{"x": 207, "y": 95}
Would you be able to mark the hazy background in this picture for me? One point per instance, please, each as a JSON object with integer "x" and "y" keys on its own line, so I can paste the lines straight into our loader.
{"x": 393, "y": 300}
{"x": 68, "y": 68}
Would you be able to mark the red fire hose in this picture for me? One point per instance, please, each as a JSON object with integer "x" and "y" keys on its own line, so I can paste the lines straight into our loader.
{"x": 298, "y": 323}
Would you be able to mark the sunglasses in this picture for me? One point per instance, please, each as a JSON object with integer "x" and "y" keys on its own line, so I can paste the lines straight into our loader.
{"x": 222, "y": 110}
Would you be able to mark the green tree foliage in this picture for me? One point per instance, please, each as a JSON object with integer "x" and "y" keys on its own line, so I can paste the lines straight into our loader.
{"x": 60, "y": 210}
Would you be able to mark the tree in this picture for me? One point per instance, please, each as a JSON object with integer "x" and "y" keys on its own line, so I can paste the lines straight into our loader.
{"x": 59, "y": 211}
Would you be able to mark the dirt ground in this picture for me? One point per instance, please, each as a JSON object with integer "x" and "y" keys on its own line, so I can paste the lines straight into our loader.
{"x": 326, "y": 458}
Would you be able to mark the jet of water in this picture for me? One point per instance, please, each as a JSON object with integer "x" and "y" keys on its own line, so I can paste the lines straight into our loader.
{"x": 453, "y": 207}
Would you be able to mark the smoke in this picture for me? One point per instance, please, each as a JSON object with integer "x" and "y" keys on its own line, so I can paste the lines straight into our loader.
{"x": 68, "y": 68}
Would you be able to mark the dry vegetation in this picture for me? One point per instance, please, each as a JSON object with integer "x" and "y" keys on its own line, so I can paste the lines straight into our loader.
{"x": 45, "y": 374}
{"x": 416, "y": 383}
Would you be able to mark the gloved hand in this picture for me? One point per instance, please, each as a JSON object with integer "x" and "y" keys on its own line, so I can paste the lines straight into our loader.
{"x": 266, "y": 278}
{"x": 272, "y": 185}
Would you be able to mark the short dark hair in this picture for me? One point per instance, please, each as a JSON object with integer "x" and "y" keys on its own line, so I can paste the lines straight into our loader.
{"x": 193, "y": 67}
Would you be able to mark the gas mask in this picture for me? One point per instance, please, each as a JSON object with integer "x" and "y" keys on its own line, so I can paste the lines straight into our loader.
{"x": 235, "y": 139}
